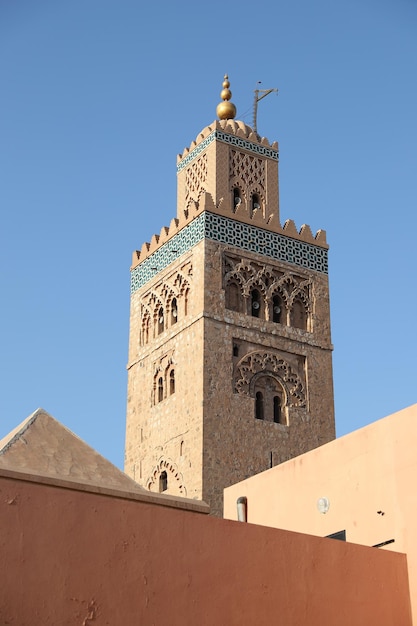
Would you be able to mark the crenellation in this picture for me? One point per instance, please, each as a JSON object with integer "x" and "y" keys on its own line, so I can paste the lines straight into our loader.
{"x": 306, "y": 233}
{"x": 206, "y": 204}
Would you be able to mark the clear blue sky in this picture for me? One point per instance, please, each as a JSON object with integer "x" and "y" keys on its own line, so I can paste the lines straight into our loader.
{"x": 99, "y": 96}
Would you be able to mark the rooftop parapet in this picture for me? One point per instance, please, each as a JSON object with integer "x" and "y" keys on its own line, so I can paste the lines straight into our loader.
{"x": 233, "y": 127}
{"x": 289, "y": 229}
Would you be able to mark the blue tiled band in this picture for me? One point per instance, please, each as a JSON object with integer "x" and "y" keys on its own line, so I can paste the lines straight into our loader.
{"x": 233, "y": 233}
{"x": 232, "y": 140}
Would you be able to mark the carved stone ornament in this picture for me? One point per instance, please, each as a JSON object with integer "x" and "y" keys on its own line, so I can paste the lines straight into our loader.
{"x": 175, "y": 478}
{"x": 268, "y": 363}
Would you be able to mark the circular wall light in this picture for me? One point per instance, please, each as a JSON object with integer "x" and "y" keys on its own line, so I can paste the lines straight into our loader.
{"x": 323, "y": 505}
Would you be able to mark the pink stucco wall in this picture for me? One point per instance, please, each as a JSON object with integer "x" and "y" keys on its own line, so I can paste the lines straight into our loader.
{"x": 78, "y": 557}
{"x": 368, "y": 477}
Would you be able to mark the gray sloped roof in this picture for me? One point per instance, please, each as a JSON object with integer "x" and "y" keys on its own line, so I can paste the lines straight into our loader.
{"x": 42, "y": 445}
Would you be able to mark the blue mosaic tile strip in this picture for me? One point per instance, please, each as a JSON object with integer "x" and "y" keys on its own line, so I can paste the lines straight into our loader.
{"x": 247, "y": 145}
{"x": 197, "y": 150}
{"x": 267, "y": 243}
{"x": 167, "y": 253}
{"x": 231, "y": 140}
{"x": 233, "y": 233}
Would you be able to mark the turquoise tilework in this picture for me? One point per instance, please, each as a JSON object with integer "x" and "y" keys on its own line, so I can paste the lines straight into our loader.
{"x": 232, "y": 140}
{"x": 167, "y": 253}
{"x": 232, "y": 233}
{"x": 247, "y": 145}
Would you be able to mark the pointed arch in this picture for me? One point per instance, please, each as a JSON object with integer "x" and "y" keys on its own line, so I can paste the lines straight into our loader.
{"x": 233, "y": 296}
{"x": 256, "y": 364}
{"x": 173, "y": 480}
{"x": 270, "y": 398}
{"x": 145, "y": 327}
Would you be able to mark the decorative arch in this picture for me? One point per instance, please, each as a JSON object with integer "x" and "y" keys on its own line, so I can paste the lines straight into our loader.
{"x": 145, "y": 327}
{"x": 237, "y": 190}
{"x": 301, "y": 293}
{"x": 270, "y": 398}
{"x": 158, "y": 386}
{"x": 299, "y": 309}
{"x": 160, "y": 319}
{"x": 241, "y": 272}
{"x": 256, "y": 298}
{"x": 255, "y": 282}
{"x": 166, "y": 474}
{"x": 258, "y": 363}
{"x": 278, "y": 306}
{"x": 233, "y": 295}
{"x": 277, "y": 290}
{"x": 170, "y": 380}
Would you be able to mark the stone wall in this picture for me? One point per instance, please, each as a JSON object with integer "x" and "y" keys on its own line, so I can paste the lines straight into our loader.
{"x": 205, "y": 435}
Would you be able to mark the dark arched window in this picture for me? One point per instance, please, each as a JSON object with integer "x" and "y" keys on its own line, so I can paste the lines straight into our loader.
{"x": 236, "y": 198}
{"x": 174, "y": 311}
{"x": 255, "y": 303}
{"x": 186, "y": 295}
{"x": 171, "y": 382}
{"x": 270, "y": 404}
{"x": 259, "y": 406}
{"x": 276, "y": 309}
{"x": 160, "y": 321}
{"x": 277, "y": 410}
{"x": 299, "y": 315}
{"x": 163, "y": 482}
{"x": 160, "y": 389}
{"x": 256, "y": 203}
{"x": 146, "y": 323}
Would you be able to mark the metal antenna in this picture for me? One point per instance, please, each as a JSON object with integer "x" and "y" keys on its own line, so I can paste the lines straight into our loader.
{"x": 258, "y": 98}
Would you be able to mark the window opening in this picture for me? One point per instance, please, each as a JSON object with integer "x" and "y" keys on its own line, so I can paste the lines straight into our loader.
{"x": 163, "y": 482}
{"x": 172, "y": 382}
{"x": 160, "y": 389}
{"x": 235, "y": 350}
{"x": 236, "y": 198}
{"x": 277, "y": 410}
{"x": 160, "y": 321}
{"x": 256, "y": 205}
{"x": 174, "y": 311}
{"x": 276, "y": 309}
{"x": 146, "y": 331}
{"x": 259, "y": 406}
{"x": 256, "y": 305}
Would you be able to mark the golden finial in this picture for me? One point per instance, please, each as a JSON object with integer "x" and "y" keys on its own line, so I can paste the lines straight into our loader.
{"x": 226, "y": 110}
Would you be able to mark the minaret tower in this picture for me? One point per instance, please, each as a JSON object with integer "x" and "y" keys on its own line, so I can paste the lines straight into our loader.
{"x": 230, "y": 356}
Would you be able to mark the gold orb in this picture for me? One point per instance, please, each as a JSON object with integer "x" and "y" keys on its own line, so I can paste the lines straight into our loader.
{"x": 226, "y": 94}
{"x": 226, "y": 110}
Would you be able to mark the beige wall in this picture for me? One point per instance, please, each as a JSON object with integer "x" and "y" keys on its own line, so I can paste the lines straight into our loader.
{"x": 72, "y": 557}
{"x": 368, "y": 478}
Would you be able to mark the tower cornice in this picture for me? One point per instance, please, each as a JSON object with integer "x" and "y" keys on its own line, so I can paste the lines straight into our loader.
{"x": 232, "y": 132}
